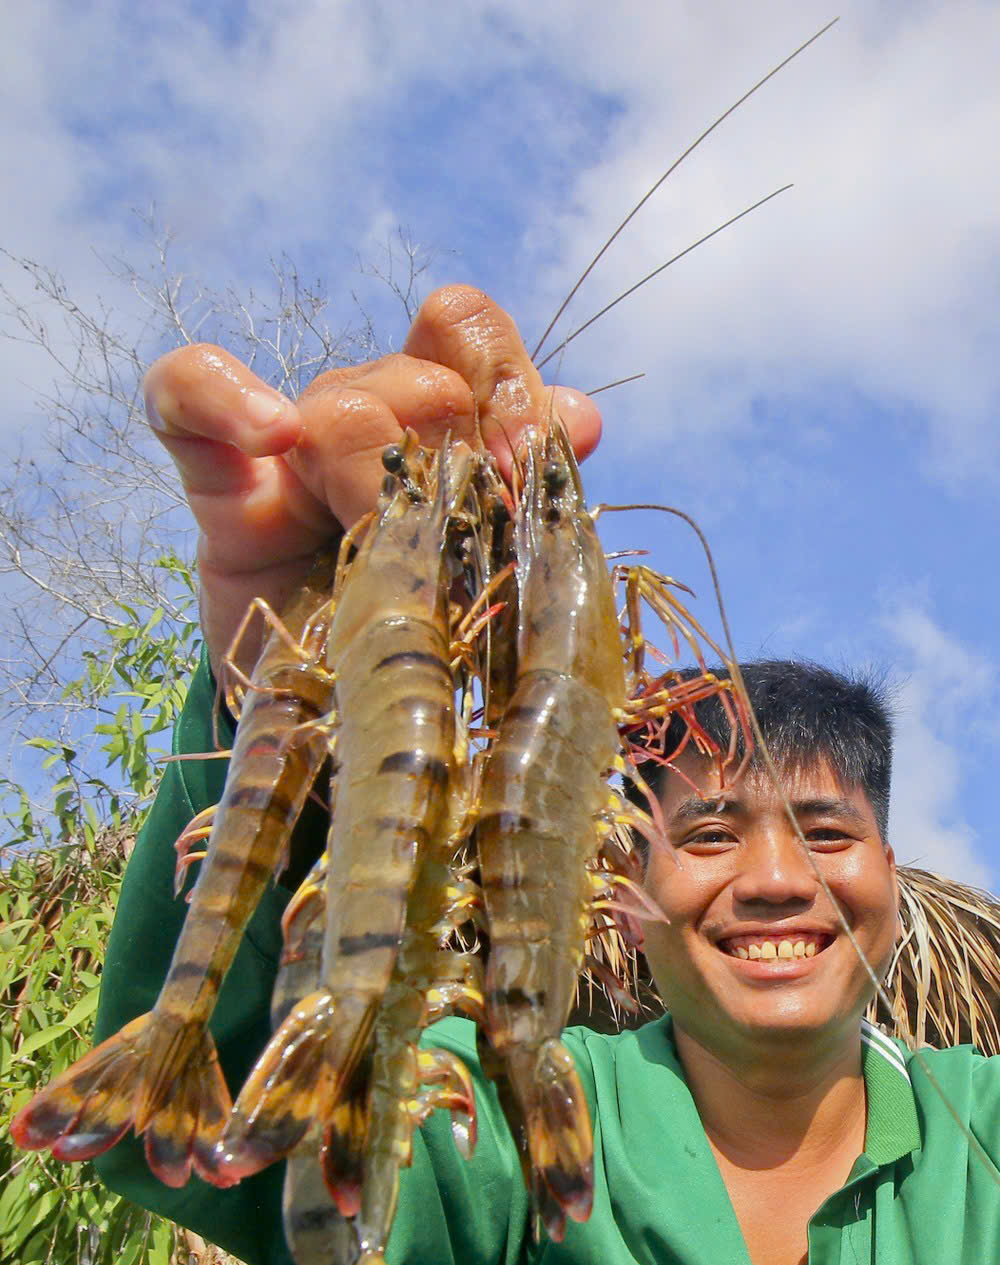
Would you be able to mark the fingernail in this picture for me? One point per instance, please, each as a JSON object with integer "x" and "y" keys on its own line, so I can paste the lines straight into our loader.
{"x": 155, "y": 410}
{"x": 266, "y": 408}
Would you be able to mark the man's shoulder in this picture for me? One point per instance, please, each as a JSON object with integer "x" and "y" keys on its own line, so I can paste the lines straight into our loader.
{"x": 955, "y": 1064}
{"x": 959, "y": 1081}
{"x": 585, "y": 1044}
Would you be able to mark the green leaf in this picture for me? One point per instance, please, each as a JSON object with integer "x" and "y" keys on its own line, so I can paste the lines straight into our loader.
{"x": 162, "y": 1244}
{"x": 133, "y": 1247}
{"x": 83, "y": 1009}
{"x": 39, "y": 1039}
{"x": 38, "y": 1212}
{"x": 15, "y": 1194}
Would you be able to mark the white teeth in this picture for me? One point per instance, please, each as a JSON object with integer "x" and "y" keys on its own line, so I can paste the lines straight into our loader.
{"x": 769, "y": 950}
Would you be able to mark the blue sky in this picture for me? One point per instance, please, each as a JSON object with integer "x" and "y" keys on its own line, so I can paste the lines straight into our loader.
{"x": 822, "y": 380}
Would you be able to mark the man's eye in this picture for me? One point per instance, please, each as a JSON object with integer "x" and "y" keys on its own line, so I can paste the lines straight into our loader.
{"x": 829, "y": 835}
{"x": 709, "y": 836}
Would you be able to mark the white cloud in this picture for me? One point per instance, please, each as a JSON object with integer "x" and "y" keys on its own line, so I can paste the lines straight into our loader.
{"x": 872, "y": 273}
{"x": 869, "y": 274}
{"x": 946, "y": 710}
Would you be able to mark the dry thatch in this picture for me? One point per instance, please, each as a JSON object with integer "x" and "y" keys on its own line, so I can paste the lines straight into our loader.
{"x": 945, "y": 978}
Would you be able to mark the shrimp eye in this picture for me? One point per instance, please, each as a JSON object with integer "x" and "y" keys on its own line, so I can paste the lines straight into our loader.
{"x": 393, "y": 459}
{"x": 556, "y": 476}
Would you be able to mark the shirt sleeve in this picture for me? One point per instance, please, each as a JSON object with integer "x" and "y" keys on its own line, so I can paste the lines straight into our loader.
{"x": 450, "y": 1210}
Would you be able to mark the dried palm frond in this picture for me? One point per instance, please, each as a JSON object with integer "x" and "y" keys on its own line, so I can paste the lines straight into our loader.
{"x": 945, "y": 977}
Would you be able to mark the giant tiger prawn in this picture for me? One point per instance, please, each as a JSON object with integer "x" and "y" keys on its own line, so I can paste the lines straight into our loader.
{"x": 464, "y": 663}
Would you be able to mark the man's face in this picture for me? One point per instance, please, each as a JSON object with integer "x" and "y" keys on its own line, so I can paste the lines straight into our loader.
{"x": 753, "y": 955}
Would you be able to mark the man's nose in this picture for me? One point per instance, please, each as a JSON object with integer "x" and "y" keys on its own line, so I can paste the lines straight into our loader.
{"x": 775, "y": 870}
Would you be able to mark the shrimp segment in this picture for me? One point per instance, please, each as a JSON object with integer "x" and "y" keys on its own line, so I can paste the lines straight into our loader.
{"x": 431, "y": 980}
{"x": 342, "y": 1183}
{"x": 160, "y": 1074}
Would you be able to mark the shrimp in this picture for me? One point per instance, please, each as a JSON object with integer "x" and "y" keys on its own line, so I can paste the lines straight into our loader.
{"x": 160, "y": 1074}
{"x": 542, "y": 804}
{"x": 388, "y": 651}
{"x": 315, "y": 1228}
{"x": 545, "y": 833}
{"x": 431, "y": 980}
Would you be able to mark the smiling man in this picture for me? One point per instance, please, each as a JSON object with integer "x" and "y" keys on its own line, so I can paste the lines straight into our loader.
{"x": 760, "y": 1121}
{"x": 765, "y": 989}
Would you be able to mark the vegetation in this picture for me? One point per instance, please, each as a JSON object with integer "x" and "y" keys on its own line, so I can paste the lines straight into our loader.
{"x": 56, "y": 907}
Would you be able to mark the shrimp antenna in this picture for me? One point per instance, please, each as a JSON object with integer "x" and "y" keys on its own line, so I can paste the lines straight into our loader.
{"x": 670, "y": 170}
{"x": 656, "y": 272}
{"x": 620, "y": 382}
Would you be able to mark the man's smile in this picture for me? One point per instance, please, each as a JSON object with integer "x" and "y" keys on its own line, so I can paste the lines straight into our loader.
{"x": 770, "y": 946}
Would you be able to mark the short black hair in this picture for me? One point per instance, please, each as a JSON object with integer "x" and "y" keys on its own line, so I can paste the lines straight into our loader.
{"x": 806, "y": 712}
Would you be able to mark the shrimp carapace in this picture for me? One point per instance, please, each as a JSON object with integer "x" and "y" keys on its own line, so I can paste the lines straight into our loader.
{"x": 543, "y": 813}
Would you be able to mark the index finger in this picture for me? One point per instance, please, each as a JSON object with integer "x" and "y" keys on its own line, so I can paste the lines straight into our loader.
{"x": 462, "y": 328}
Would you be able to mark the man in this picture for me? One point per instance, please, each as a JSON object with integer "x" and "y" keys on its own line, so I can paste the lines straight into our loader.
{"x": 760, "y": 1121}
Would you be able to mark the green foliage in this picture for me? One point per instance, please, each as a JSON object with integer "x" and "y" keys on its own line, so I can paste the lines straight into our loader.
{"x": 56, "y": 908}
{"x": 55, "y": 913}
{"x": 134, "y": 687}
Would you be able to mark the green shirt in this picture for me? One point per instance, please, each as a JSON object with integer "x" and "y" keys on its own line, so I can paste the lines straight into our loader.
{"x": 916, "y": 1196}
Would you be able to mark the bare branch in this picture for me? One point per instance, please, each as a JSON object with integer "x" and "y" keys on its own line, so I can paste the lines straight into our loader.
{"x": 89, "y": 505}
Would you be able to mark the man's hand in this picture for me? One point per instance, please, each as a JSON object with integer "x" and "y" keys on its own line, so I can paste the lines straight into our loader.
{"x": 269, "y": 481}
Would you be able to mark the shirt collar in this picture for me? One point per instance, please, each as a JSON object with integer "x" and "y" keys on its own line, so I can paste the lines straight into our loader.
{"x": 893, "y": 1127}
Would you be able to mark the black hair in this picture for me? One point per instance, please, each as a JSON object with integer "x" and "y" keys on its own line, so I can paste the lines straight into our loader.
{"x": 806, "y": 712}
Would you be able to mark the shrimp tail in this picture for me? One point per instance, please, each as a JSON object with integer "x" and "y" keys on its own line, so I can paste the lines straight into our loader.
{"x": 343, "y": 1151}
{"x": 160, "y": 1077}
{"x": 299, "y": 1078}
{"x": 89, "y": 1107}
{"x": 557, "y": 1126}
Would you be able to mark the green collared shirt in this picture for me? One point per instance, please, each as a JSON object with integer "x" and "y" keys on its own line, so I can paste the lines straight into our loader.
{"x": 916, "y": 1196}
